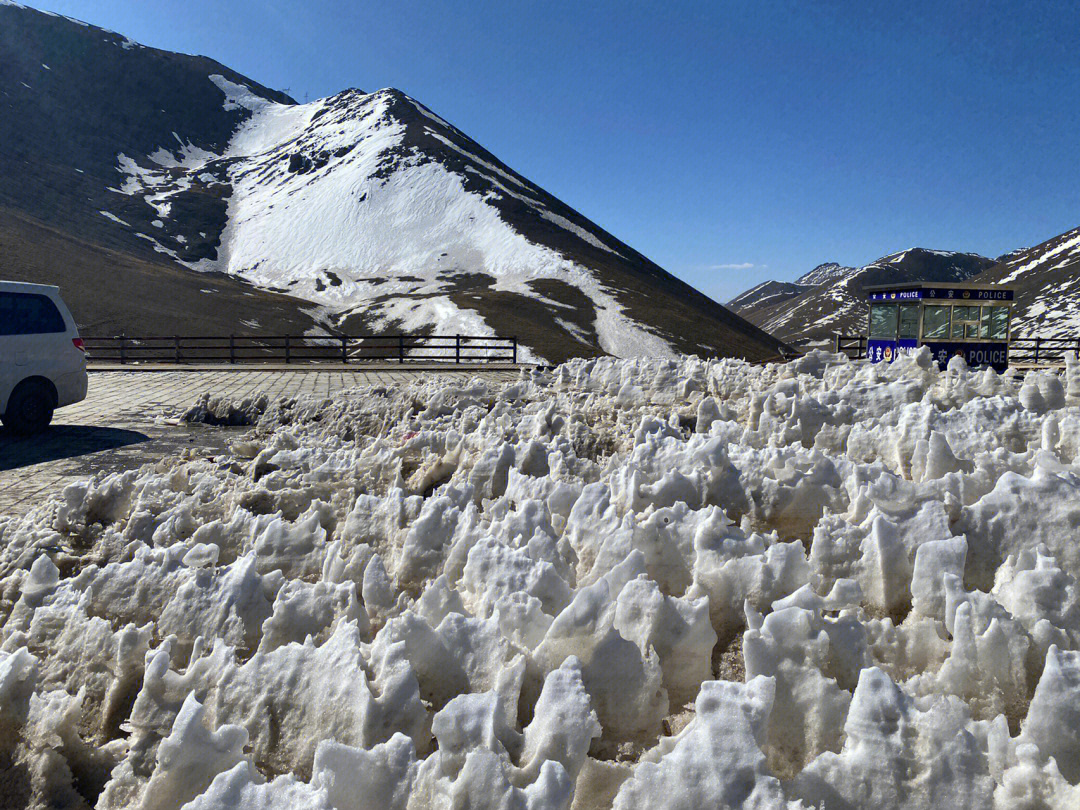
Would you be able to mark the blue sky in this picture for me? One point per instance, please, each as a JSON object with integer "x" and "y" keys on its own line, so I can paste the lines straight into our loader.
{"x": 728, "y": 141}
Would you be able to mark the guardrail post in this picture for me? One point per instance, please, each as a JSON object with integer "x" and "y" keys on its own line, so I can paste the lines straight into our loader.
{"x": 514, "y": 347}
{"x": 232, "y": 349}
{"x": 401, "y": 348}
{"x": 836, "y": 343}
{"x": 457, "y": 350}
{"x": 288, "y": 352}
{"x": 122, "y": 348}
{"x": 344, "y": 349}
{"x": 1038, "y": 340}
{"x": 176, "y": 352}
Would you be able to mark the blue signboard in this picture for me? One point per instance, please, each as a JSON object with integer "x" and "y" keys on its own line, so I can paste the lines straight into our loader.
{"x": 897, "y": 295}
{"x": 941, "y": 293}
{"x": 995, "y": 355}
{"x": 885, "y": 350}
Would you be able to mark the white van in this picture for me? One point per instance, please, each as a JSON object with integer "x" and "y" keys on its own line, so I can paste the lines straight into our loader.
{"x": 42, "y": 358}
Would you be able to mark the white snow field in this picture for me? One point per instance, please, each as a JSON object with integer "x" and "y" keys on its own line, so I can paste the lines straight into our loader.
{"x": 656, "y": 583}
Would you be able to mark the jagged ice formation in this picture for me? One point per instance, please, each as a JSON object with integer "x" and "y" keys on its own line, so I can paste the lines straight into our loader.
{"x": 638, "y": 583}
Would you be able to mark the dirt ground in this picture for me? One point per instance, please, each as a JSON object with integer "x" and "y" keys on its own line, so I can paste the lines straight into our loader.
{"x": 125, "y": 422}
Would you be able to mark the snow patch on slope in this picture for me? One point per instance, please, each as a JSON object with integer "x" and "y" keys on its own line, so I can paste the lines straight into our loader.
{"x": 237, "y": 96}
{"x": 113, "y": 217}
{"x": 1055, "y": 258}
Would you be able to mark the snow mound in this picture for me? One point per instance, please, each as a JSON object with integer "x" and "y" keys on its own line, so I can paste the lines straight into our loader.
{"x": 618, "y": 583}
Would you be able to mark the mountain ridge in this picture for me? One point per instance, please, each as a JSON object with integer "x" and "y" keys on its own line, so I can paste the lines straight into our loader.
{"x": 1045, "y": 277}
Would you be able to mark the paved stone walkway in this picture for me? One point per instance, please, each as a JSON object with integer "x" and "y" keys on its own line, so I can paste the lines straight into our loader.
{"x": 119, "y": 425}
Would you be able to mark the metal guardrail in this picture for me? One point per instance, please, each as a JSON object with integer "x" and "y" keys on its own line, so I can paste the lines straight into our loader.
{"x": 1039, "y": 351}
{"x": 1022, "y": 350}
{"x": 234, "y": 349}
{"x": 854, "y": 346}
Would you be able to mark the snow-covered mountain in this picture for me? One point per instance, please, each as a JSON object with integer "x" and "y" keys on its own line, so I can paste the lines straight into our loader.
{"x": 367, "y": 211}
{"x": 829, "y": 271}
{"x": 830, "y": 298}
{"x": 1047, "y": 282}
{"x": 768, "y": 293}
{"x": 772, "y": 294}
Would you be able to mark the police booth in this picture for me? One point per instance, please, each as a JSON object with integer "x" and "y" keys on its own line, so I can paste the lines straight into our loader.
{"x": 971, "y": 320}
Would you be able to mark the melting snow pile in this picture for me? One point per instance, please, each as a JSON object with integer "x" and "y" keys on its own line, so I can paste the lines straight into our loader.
{"x": 630, "y": 584}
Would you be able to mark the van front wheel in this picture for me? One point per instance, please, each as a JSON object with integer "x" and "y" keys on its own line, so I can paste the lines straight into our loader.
{"x": 30, "y": 408}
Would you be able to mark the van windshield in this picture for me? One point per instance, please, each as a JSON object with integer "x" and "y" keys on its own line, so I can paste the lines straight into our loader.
{"x": 29, "y": 314}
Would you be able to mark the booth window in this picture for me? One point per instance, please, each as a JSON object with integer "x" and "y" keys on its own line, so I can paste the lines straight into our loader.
{"x": 883, "y": 318}
{"x": 909, "y": 320}
{"x": 965, "y": 322}
{"x": 936, "y": 322}
{"x": 995, "y": 323}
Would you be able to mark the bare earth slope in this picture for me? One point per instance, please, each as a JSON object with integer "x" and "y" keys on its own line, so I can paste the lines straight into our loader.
{"x": 366, "y": 209}
{"x": 117, "y": 292}
{"x": 1047, "y": 282}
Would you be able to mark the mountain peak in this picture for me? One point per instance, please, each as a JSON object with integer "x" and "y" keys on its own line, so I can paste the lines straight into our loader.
{"x": 822, "y": 273}
{"x": 371, "y": 212}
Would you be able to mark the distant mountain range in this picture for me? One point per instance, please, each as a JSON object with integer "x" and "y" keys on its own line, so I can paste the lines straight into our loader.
{"x": 166, "y": 193}
{"x": 831, "y": 298}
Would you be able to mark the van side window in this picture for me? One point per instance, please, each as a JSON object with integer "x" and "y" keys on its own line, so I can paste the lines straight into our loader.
{"x": 29, "y": 314}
